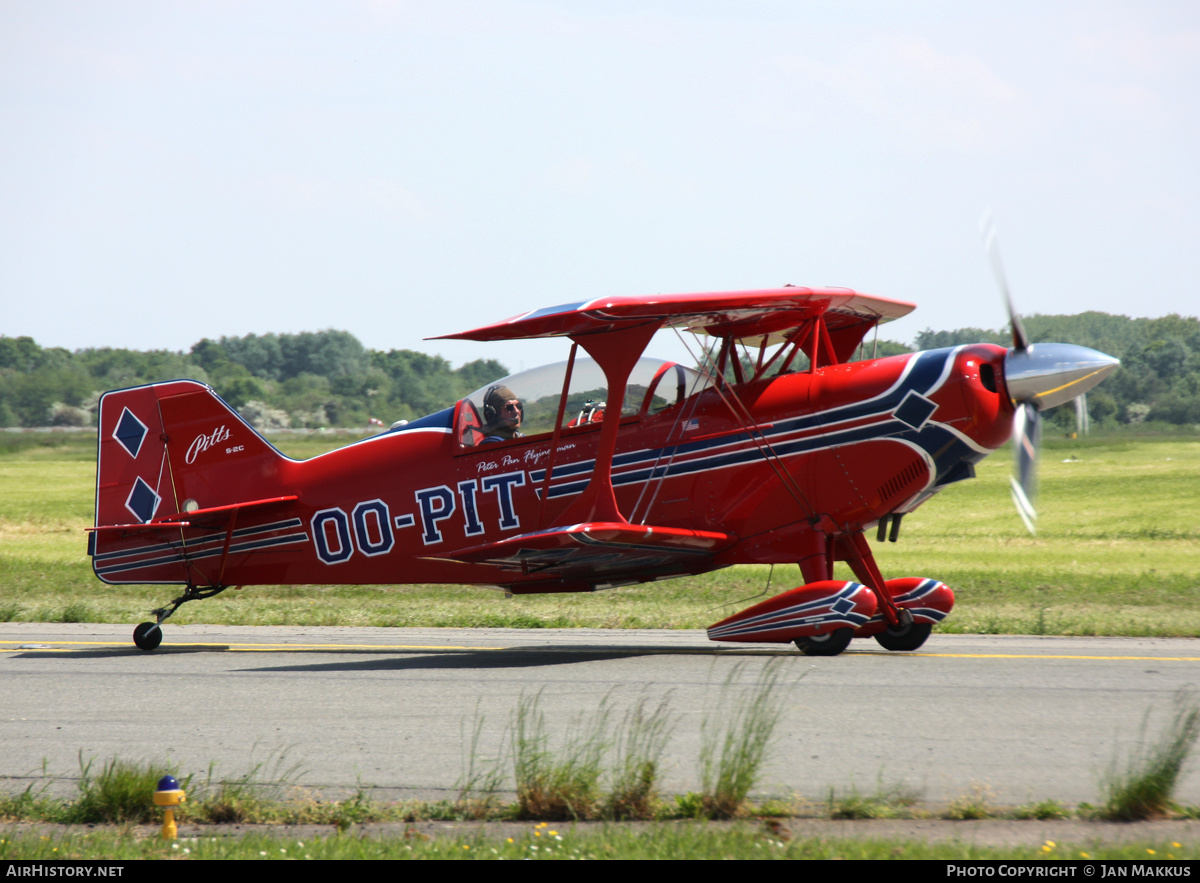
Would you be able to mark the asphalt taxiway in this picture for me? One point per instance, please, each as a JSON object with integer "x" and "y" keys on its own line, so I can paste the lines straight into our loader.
{"x": 1017, "y": 719}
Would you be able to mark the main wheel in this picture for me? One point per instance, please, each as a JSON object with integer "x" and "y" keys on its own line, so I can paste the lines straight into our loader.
{"x": 830, "y": 644}
{"x": 147, "y": 635}
{"x": 908, "y": 637}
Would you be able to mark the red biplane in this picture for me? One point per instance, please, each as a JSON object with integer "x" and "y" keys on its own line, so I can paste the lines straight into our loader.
{"x": 607, "y": 469}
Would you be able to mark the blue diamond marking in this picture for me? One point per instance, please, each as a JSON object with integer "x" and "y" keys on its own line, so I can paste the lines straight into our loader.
{"x": 843, "y": 605}
{"x": 130, "y": 433}
{"x": 143, "y": 501}
{"x": 915, "y": 410}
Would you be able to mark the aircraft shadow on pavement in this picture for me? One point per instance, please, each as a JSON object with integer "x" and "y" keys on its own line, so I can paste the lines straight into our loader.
{"x": 410, "y": 659}
{"x": 427, "y": 660}
{"x": 105, "y": 653}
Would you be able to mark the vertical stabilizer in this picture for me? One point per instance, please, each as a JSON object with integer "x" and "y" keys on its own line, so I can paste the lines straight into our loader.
{"x": 173, "y": 447}
{"x": 174, "y": 465}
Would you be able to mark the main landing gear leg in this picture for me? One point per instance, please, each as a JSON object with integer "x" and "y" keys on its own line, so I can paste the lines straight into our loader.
{"x": 901, "y": 632}
{"x": 857, "y": 553}
{"x": 816, "y": 565}
{"x": 148, "y": 635}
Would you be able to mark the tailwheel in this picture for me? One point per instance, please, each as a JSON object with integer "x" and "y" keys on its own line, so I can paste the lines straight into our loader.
{"x": 829, "y": 644}
{"x": 147, "y": 635}
{"x": 907, "y": 637}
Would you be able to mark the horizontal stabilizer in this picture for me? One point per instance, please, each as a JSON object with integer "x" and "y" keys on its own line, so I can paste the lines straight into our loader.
{"x": 606, "y": 550}
{"x": 214, "y": 517}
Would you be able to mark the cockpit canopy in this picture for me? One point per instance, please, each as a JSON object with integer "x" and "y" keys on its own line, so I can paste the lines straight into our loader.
{"x": 654, "y": 385}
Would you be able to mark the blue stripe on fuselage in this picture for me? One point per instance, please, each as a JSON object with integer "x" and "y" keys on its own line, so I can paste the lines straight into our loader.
{"x": 924, "y": 374}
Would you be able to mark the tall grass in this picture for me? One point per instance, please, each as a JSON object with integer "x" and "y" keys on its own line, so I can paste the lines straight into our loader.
{"x": 119, "y": 792}
{"x": 888, "y": 802}
{"x": 975, "y": 804}
{"x": 560, "y": 782}
{"x": 482, "y": 777}
{"x": 560, "y": 785}
{"x": 1145, "y": 787}
{"x": 243, "y": 797}
{"x": 735, "y": 740}
{"x": 641, "y": 743}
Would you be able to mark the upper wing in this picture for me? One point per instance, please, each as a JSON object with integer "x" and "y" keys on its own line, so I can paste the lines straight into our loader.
{"x": 740, "y": 313}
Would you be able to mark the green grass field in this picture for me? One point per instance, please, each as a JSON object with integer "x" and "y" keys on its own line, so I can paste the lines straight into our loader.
{"x": 1116, "y": 554}
{"x": 690, "y": 841}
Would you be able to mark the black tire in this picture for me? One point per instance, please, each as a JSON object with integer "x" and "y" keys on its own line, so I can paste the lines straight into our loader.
{"x": 909, "y": 637}
{"x": 829, "y": 644}
{"x": 147, "y": 635}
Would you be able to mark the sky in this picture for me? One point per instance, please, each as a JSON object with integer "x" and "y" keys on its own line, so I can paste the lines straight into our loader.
{"x": 402, "y": 169}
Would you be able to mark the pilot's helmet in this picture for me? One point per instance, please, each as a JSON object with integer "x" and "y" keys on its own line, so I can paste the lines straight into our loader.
{"x": 495, "y": 401}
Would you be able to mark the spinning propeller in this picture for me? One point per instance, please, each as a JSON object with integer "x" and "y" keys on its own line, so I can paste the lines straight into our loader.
{"x": 1037, "y": 377}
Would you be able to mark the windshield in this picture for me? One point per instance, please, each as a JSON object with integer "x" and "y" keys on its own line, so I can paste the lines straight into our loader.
{"x": 653, "y": 386}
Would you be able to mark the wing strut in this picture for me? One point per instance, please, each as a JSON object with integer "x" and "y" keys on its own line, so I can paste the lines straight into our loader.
{"x": 616, "y": 352}
{"x": 562, "y": 409}
{"x": 658, "y": 468}
{"x": 755, "y": 434}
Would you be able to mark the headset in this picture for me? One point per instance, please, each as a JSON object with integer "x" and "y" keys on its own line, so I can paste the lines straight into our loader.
{"x": 491, "y": 416}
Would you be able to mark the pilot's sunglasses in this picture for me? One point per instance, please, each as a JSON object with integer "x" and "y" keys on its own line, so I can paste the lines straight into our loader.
{"x": 512, "y": 406}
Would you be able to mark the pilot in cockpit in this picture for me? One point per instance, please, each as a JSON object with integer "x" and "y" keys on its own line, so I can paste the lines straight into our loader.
{"x": 502, "y": 415}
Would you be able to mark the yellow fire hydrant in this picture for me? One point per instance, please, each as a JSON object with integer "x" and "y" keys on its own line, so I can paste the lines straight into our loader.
{"x": 170, "y": 795}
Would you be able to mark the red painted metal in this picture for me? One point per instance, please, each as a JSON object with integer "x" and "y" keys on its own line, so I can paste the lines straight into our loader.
{"x": 928, "y": 600}
{"x": 806, "y": 611}
{"x": 773, "y": 469}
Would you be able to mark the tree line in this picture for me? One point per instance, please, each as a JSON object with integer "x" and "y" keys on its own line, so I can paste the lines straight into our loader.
{"x": 309, "y": 380}
{"x": 1159, "y": 377}
{"x": 328, "y": 378}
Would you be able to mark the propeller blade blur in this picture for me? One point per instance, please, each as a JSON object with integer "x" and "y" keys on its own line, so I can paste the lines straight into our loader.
{"x": 1038, "y": 376}
{"x": 988, "y": 228}
{"x": 1027, "y": 437}
{"x": 1081, "y": 416}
